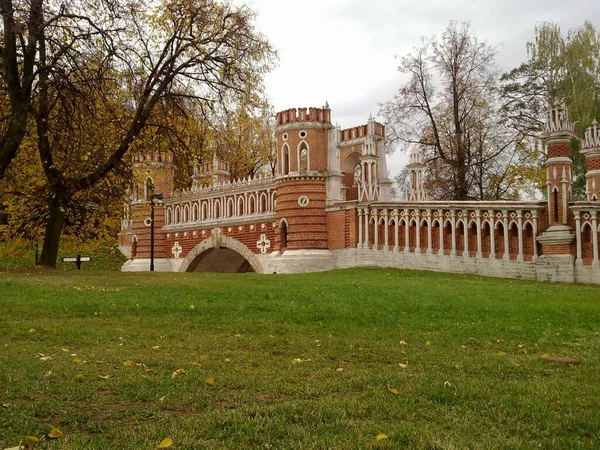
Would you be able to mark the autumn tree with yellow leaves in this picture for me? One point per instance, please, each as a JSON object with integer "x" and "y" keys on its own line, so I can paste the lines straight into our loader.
{"x": 107, "y": 73}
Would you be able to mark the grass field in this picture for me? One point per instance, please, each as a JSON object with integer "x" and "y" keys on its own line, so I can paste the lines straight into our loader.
{"x": 349, "y": 359}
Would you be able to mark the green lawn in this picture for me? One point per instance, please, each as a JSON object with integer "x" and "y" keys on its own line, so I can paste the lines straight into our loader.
{"x": 316, "y": 361}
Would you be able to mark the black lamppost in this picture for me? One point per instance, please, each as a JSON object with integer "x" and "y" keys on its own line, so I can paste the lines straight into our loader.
{"x": 154, "y": 199}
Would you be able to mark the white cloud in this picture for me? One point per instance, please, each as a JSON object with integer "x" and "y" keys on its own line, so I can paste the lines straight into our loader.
{"x": 343, "y": 51}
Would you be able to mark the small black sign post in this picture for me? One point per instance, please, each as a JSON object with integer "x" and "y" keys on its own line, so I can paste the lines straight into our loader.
{"x": 77, "y": 260}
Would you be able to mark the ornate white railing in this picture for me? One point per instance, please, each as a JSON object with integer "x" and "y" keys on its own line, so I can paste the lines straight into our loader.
{"x": 494, "y": 230}
{"x": 586, "y": 232}
{"x": 248, "y": 199}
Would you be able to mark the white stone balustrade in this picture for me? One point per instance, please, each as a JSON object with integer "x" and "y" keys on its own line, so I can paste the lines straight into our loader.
{"x": 222, "y": 203}
{"x": 480, "y": 230}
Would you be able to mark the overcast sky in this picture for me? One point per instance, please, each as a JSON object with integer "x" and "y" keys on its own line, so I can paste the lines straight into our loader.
{"x": 343, "y": 51}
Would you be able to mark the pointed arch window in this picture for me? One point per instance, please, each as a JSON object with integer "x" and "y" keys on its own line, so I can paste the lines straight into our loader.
{"x": 285, "y": 160}
{"x": 555, "y": 198}
{"x": 303, "y": 157}
{"x": 283, "y": 237}
{"x": 148, "y": 189}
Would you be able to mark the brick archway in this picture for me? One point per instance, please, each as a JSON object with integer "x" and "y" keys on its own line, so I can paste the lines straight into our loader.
{"x": 216, "y": 241}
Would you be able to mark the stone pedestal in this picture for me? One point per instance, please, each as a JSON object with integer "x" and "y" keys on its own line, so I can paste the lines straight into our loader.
{"x": 557, "y": 263}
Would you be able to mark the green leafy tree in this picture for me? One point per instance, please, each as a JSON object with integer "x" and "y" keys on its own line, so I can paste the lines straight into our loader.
{"x": 559, "y": 69}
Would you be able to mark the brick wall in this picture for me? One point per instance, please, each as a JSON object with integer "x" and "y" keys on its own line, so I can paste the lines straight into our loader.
{"x": 247, "y": 234}
{"x": 307, "y": 226}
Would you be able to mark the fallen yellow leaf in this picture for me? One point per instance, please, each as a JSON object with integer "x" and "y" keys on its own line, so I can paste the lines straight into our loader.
{"x": 192, "y": 306}
{"x": 128, "y": 363}
{"x": 165, "y": 443}
{"x": 33, "y": 438}
{"x": 54, "y": 433}
{"x": 381, "y": 437}
{"x": 393, "y": 390}
{"x": 79, "y": 377}
{"x": 32, "y": 330}
{"x": 6, "y": 405}
{"x": 403, "y": 366}
{"x": 104, "y": 377}
{"x": 156, "y": 347}
{"x": 428, "y": 343}
{"x": 210, "y": 381}
{"x": 501, "y": 353}
{"x": 177, "y": 373}
{"x": 76, "y": 360}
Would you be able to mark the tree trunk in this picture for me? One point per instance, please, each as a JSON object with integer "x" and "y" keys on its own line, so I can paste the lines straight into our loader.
{"x": 54, "y": 227}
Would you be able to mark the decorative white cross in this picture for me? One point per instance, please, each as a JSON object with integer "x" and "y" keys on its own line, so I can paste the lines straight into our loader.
{"x": 176, "y": 250}
{"x": 263, "y": 243}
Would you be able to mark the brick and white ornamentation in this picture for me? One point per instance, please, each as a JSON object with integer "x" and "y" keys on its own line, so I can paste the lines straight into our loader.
{"x": 328, "y": 206}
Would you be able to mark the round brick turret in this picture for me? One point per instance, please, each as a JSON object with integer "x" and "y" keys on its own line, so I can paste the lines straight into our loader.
{"x": 302, "y": 137}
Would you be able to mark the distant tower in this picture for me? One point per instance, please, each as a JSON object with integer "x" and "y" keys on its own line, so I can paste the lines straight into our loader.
{"x": 153, "y": 174}
{"x": 374, "y": 184}
{"x": 416, "y": 168}
{"x": 591, "y": 150}
{"x": 302, "y": 139}
{"x": 155, "y": 171}
{"x": 207, "y": 174}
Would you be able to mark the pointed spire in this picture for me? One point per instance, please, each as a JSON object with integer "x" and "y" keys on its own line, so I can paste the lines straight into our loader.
{"x": 592, "y": 136}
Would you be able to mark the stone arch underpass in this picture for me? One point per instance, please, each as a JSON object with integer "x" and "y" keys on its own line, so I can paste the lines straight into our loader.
{"x": 223, "y": 254}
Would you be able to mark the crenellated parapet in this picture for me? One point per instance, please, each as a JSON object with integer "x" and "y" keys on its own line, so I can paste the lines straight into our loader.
{"x": 155, "y": 158}
{"x": 312, "y": 114}
{"x": 557, "y": 123}
{"x": 362, "y": 131}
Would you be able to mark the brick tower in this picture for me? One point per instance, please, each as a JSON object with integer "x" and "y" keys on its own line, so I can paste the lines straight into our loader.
{"x": 206, "y": 174}
{"x": 302, "y": 138}
{"x": 416, "y": 169}
{"x": 152, "y": 174}
{"x": 557, "y": 239}
{"x": 591, "y": 150}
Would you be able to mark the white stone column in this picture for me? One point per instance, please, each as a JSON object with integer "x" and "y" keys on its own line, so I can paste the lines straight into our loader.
{"x": 375, "y": 215}
{"x": 520, "y": 257}
{"x": 506, "y": 255}
{"x": 565, "y": 189}
{"x": 579, "y": 260}
{"x": 396, "y": 230}
{"x": 406, "y": 231}
{"x": 442, "y": 226}
{"x": 418, "y": 236}
{"x": 429, "y": 232}
{"x": 386, "y": 246}
{"x": 465, "y": 220}
{"x": 595, "y": 237}
{"x": 479, "y": 249}
{"x": 535, "y": 226}
{"x": 453, "y": 220}
{"x": 492, "y": 224}
{"x": 366, "y": 243}
{"x": 360, "y": 227}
